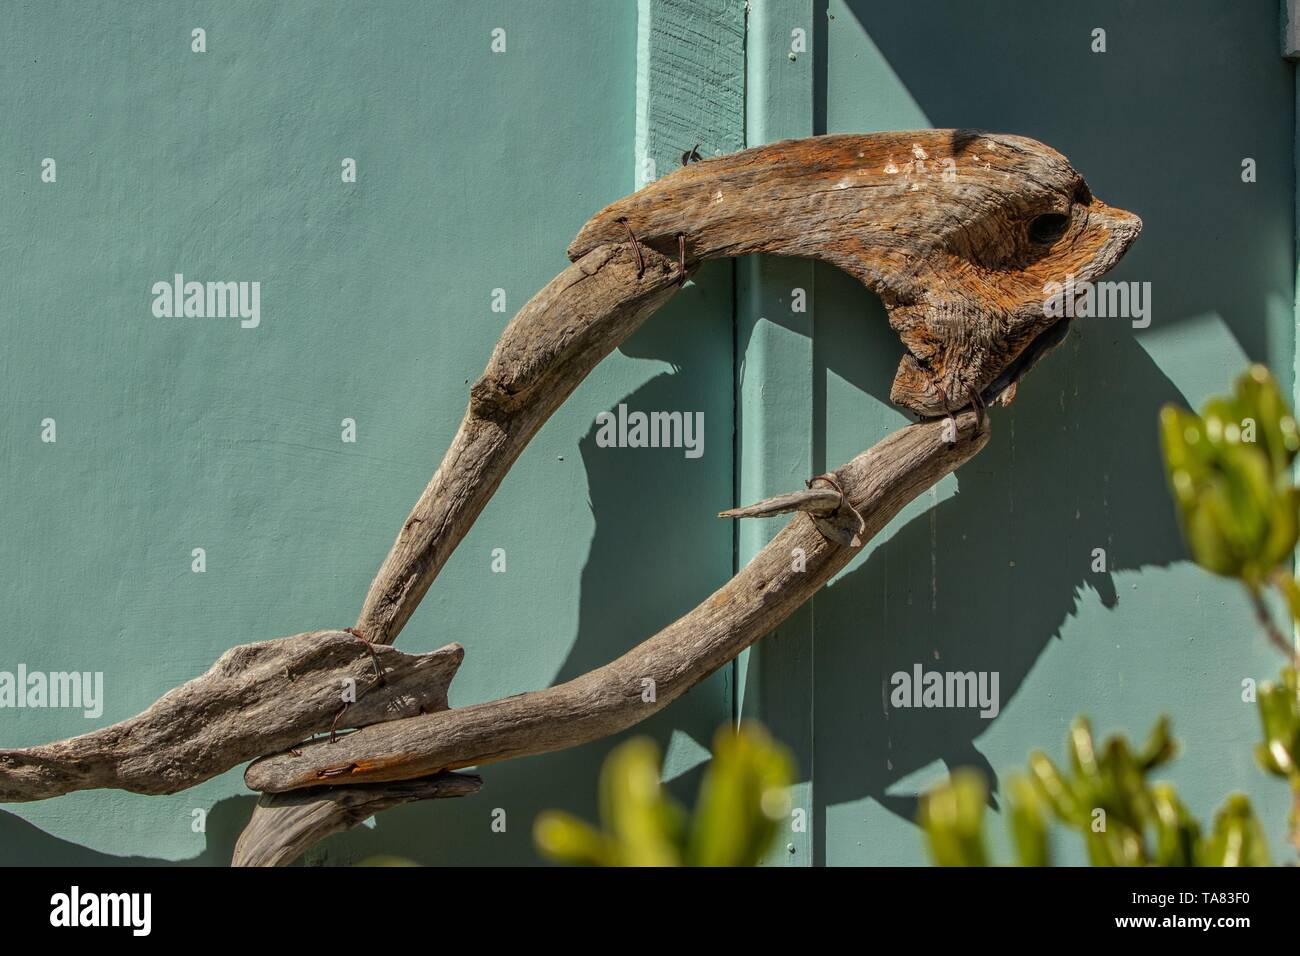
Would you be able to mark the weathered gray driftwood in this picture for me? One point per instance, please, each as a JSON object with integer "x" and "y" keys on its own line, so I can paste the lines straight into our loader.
{"x": 820, "y": 501}
{"x": 961, "y": 234}
{"x": 958, "y": 231}
{"x": 287, "y": 824}
{"x": 878, "y": 483}
{"x": 559, "y": 336}
{"x": 256, "y": 698}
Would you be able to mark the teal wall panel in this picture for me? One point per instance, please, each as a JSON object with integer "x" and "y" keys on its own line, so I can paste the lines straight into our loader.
{"x": 774, "y": 409}
{"x": 475, "y": 169}
{"x": 991, "y": 571}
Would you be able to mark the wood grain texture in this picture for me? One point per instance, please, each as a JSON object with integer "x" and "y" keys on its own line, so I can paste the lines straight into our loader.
{"x": 255, "y": 698}
{"x": 690, "y": 66}
{"x": 956, "y": 264}
{"x": 877, "y": 484}
{"x": 286, "y": 825}
{"x": 958, "y": 231}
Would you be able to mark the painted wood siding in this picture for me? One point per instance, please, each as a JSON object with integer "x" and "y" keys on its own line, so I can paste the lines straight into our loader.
{"x": 993, "y": 570}
{"x": 474, "y": 171}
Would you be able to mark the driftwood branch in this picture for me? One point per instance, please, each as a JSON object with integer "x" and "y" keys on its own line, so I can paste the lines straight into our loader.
{"x": 961, "y": 234}
{"x": 287, "y": 824}
{"x": 559, "y": 336}
{"x": 960, "y": 262}
{"x": 798, "y": 561}
{"x": 256, "y": 698}
{"x": 958, "y": 231}
{"x": 816, "y": 501}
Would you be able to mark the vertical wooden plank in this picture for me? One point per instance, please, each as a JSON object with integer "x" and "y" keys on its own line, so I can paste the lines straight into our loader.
{"x": 774, "y": 401}
{"x": 1290, "y": 16}
{"x": 690, "y": 81}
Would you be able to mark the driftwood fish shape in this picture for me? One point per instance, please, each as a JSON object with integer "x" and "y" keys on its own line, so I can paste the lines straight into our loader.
{"x": 959, "y": 232}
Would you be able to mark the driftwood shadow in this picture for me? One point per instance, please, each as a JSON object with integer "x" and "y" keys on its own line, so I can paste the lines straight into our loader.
{"x": 26, "y": 844}
{"x": 985, "y": 579}
{"x": 1074, "y": 465}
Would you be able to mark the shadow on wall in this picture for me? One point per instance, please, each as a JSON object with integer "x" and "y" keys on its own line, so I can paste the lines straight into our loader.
{"x": 1074, "y": 464}
{"x": 27, "y": 845}
{"x": 985, "y": 579}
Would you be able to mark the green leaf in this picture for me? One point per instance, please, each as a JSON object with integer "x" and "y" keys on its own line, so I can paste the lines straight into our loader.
{"x": 644, "y": 825}
{"x": 1237, "y": 838}
{"x": 566, "y": 839}
{"x": 1056, "y": 790}
{"x": 1083, "y": 755}
{"x": 1177, "y": 832}
{"x": 1279, "y": 715}
{"x": 1160, "y": 747}
{"x": 1290, "y": 589}
{"x": 1260, "y": 399}
{"x": 1026, "y": 811}
{"x": 743, "y": 798}
{"x": 952, "y": 815}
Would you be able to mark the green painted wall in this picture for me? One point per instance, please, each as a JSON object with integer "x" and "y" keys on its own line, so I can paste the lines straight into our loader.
{"x": 991, "y": 572}
{"x": 774, "y": 409}
{"x": 475, "y": 169}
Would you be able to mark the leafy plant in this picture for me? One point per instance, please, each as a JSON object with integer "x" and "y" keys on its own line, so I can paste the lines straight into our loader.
{"x": 742, "y": 798}
{"x": 1230, "y": 469}
{"x": 1279, "y": 712}
{"x": 1105, "y": 796}
{"x": 1230, "y": 472}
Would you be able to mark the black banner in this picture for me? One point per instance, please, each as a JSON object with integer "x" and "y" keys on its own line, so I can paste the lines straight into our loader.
{"x": 330, "y": 906}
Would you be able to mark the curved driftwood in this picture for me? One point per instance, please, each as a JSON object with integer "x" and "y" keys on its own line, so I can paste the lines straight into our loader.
{"x": 877, "y": 484}
{"x": 959, "y": 232}
{"x": 559, "y": 336}
{"x": 283, "y": 690}
{"x": 287, "y": 824}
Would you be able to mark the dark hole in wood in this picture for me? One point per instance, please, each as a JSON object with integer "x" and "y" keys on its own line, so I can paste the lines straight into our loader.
{"x": 1048, "y": 227}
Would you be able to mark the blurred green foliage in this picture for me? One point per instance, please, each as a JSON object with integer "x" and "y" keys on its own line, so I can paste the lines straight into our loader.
{"x": 743, "y": 798}
{"x": 1230, "y": 471}
{"x": 1279, "y": 752}
{"x": 387, "y": 860}
{"x": 1105, "y": 796}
